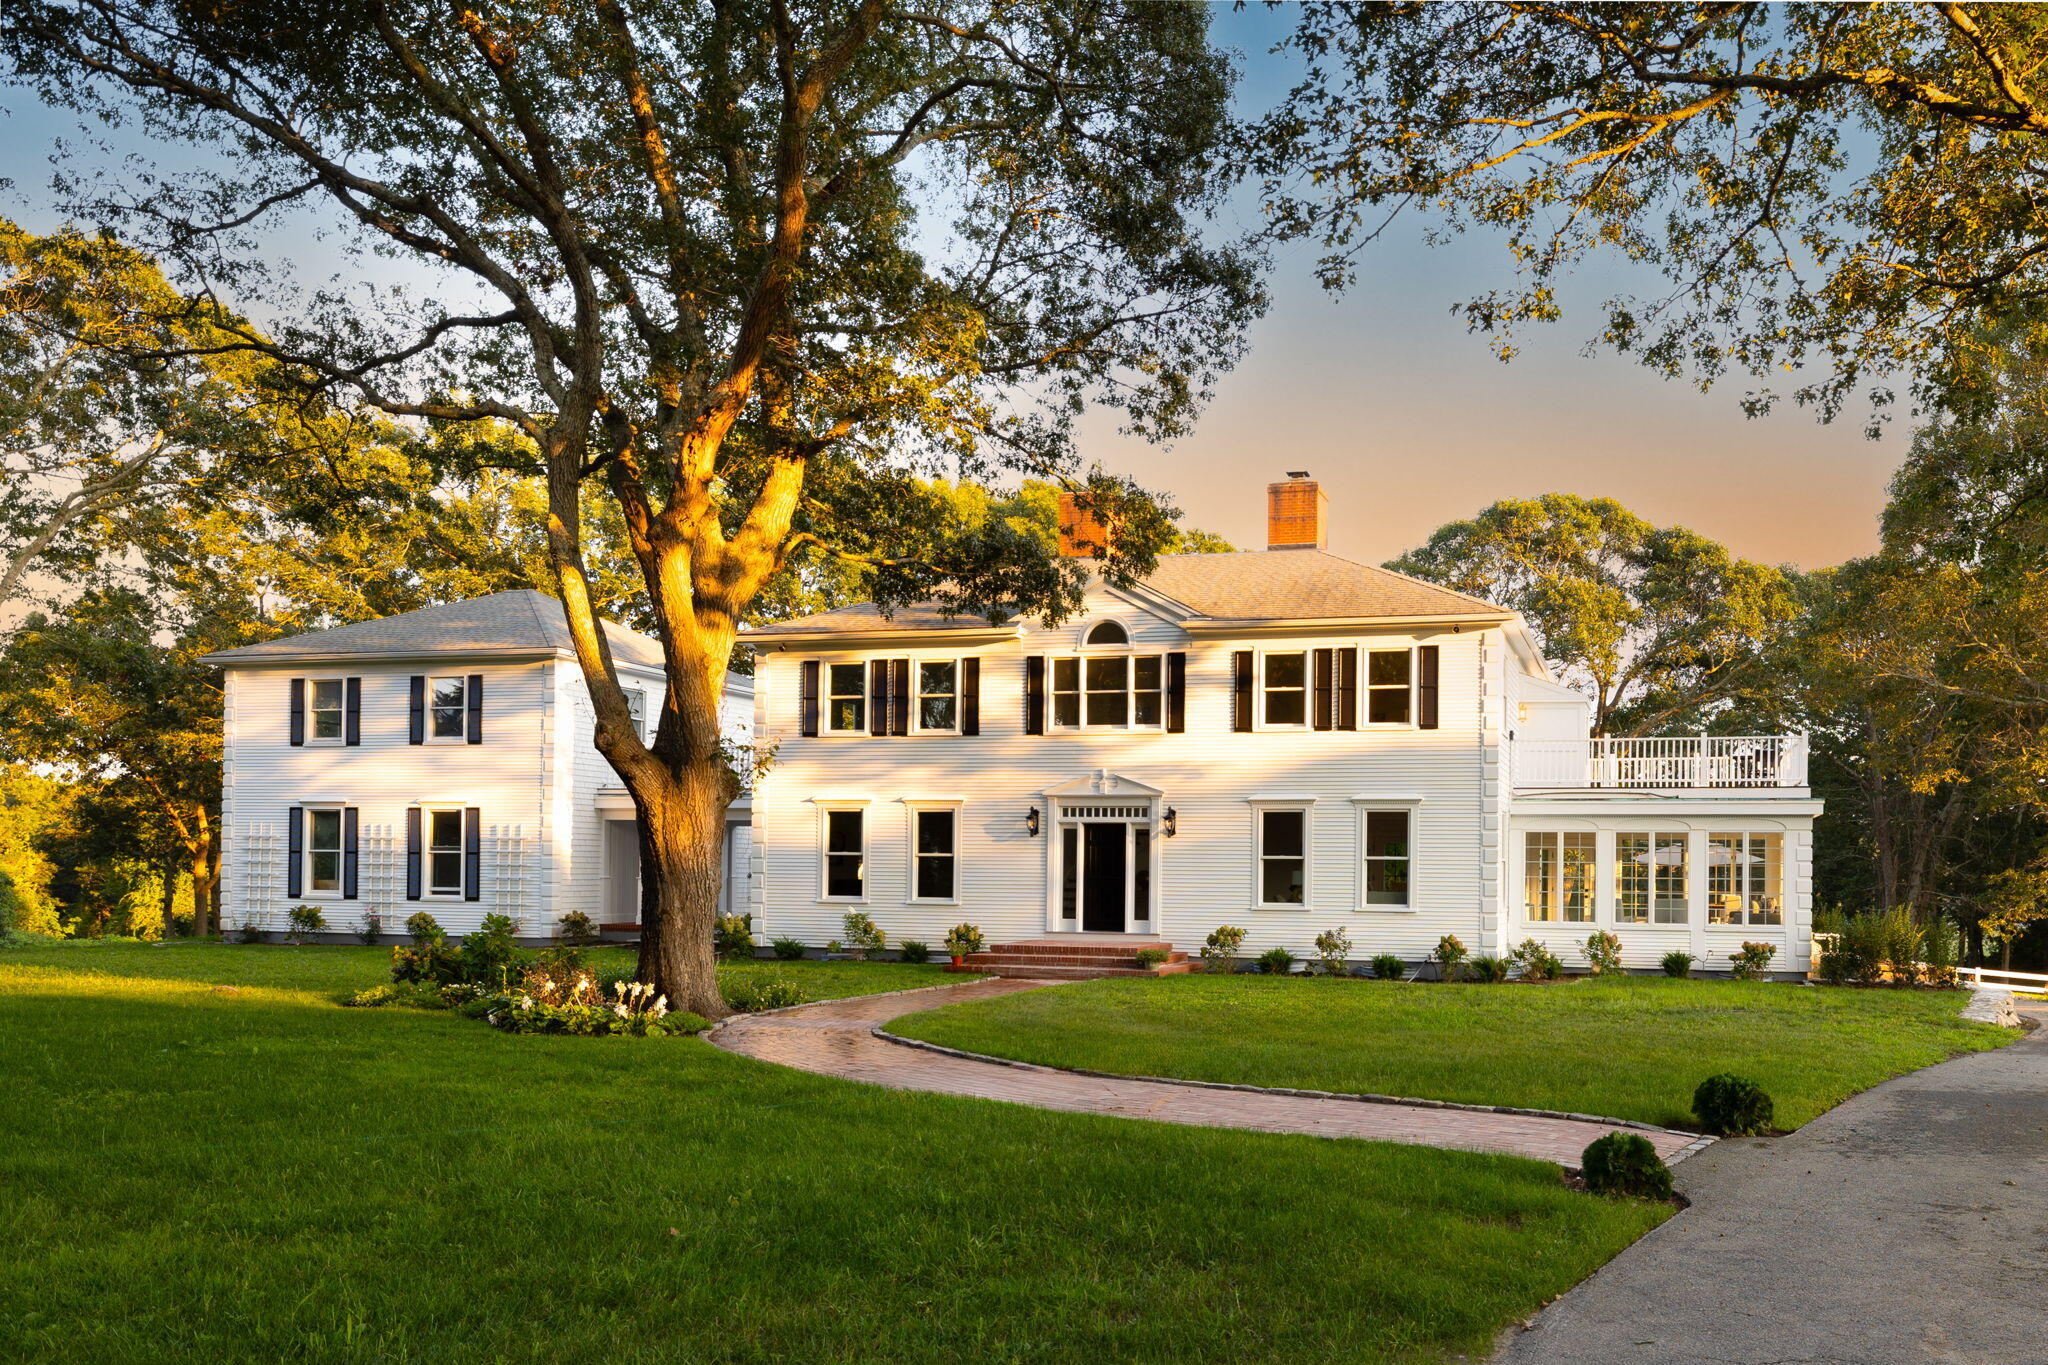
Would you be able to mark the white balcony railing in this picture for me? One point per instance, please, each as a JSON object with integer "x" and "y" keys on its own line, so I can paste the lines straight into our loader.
{"x": 1685, "y": 763}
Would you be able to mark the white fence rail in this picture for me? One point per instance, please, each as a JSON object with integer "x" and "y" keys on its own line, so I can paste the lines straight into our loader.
{"x": 2031, "y": 983}
{"x": 1683, "y": 762}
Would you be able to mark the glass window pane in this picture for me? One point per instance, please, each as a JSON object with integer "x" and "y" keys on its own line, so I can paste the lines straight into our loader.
{"x": 1141, "y": 874}
{"x": 935, "y": 878}
{"x": 1386, "y": 881}
{"x": 1576, "y": 877}
{"x": 1386, "y": 834}
{"x": 444, "y": 829}
{"x": 325, "y": 831}
{"x": 1632, "y": 878}
{"x": 1108, "y": 674}
{"x": 1070, "y": 870}
{"x": 1066, "y": 675}
{"x": 448, "y": 692}
{"x": 1387, "y": 706}
{"x": 1282, "y": 833}
{"x": 935, "y": 677}
{"x": 447, "y": 723}
{"x": 938, "y": 713}
{"x": 1766, "y": 879}
{"x": 1066, "y": 708}
{"x": 1108, "y": 633}
{"x": 1145, "y": 708}
{"x": 849, "y": 714}
{"x": 327, "y": 694}
{"x": 1283, "y": 883}
{"x": 1668, "y": 879}
{"x": 1109, "y": 708}
{"x": 327, "y": 725}
{"x": 1286, "y": 708}
{"x": 935, "y": 831}
{"x": 446, "y": 872}
{"x": 1145, "y": 672}
{"x": 326, "y": 871}
{"x": 849, "y": 680}
{"x": 1286, "y": 670}
{"x": 1539, "y": 876}
{"x": 1387, "y": 668}
{"x": 843, "y": 874}
{"x": 842, "y": 831}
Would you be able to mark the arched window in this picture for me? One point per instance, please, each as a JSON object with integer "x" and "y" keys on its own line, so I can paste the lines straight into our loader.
{"x": 1107, "y": 633}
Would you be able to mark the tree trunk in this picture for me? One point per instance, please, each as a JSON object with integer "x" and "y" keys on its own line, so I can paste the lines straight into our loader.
{"x": 169, "y": 898}
{"x": 205, "y": 872}
{"x": 682, "y": 831}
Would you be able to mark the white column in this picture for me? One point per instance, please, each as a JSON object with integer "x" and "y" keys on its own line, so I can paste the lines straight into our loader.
{"x": 1696, "y": 893}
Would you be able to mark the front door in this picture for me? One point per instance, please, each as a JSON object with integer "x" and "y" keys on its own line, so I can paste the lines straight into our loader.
{"x": 1103, "y": 877}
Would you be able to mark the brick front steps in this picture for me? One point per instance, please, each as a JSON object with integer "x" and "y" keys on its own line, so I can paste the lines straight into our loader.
{"x": 1054, "y": 959}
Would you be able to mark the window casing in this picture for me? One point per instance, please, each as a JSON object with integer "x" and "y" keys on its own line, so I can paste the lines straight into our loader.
{"x": 326, "y": 704}
{"x": 1389, "y": 686}
{"x": 1745, "y": 878}
{"x": 323, "y": 850}
{"x": 447, "y": 708}
{"x": 935, "y": 853}
{"x": 938, "y": 695}
{"x": 1283, "y": 690}
{"x": 1389, "y": 858}
{"x": 846, "y": 699}
{"x": 1281, "y": 858}
{"x": 843, "y": 853}
{"x": 1108, "y": 692}
{"x": 444, "y": 851}
{"x": 1558, "y": 873}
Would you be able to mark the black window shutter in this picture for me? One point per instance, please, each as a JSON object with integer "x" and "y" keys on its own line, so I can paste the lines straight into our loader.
{"x": 1325, "y": 711}
{"x": 1347, "y": 689}
{"x": 1241, "y": 690}
{"x": 298, "y": 714}
{"x": 472, "y": 855}
{"x": 1034, "y": 695}
{"x": 348, "y": 851}
{"x": 473, "y": 697}
{"x": 970, "y": 696}
{"x": 1176, "y": 692}
{"x": 419, "y": 710}
{"x": 878, "y": 697}
{"x": 295, "y": 853}
{"x": 352, "y": 712}
{"x": 899, "y": 697}
{"x": 412, "y": 851}
{"x": 1426, "y": 672}
{"x": 810, "y": 694}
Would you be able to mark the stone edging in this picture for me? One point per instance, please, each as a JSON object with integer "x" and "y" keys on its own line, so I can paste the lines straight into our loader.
{"x": 1699, "y": 1141}
{"x": 835, "y": 999}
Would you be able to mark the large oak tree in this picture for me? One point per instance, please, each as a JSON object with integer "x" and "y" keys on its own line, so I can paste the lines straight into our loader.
{"x": 750, "y": 263}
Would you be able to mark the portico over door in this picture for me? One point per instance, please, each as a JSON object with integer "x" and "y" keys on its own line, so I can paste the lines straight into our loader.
{"x": 1103, "y": 856}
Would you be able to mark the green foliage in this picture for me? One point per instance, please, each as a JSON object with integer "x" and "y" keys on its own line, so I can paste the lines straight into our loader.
{"x": 911, "y": 950}
{"x": 1625, "y": 1164}
{"x": 1388, "y": 966}
{"x": 433, "y": 962}
{"x": 577, "y": 929}
{"x": 1333, "y": 951}
{"x": 1275, "y": 962}
{"x": 1487, "y": 969}
{"x": 370, "y": 927}
{"x": 422, "y": 928}
{"x": 488, "y": 952}
{"x": 732, "y": 936}
{"x": 863, "y": 936}
{"x": 1752, "y": 960}
{"x": 1151, "y": 957}
{"x": 1219, "y": 950}
{"x": 253, "y": 931}
{"x": 305, "y": 921}
{"x": 1677, "y": 963}
{"x": 1603, "y": 952}
{"x": 788, "y": 949}
{"x": 1537, "y": 962}
{"x": 632, "y": 1009}
{"x": 963, "y": 939}
{"x": 1941, "y": 951}
{"x": 1449, "y": 955}
{"x": 765, "y": 993}
{"x": 1731, "y": 1106}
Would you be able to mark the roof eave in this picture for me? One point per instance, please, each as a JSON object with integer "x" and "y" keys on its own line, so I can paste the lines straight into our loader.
{"x": 231, "y": 659}
{"x": 1217, "y": 625}
{"x": 767, "y": 639}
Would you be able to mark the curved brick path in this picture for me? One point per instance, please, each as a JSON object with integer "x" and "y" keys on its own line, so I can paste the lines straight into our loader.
{"x": 837, "y": 1038}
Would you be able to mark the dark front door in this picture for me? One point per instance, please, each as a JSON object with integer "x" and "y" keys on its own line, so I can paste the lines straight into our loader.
{"x": 1102, "y": 878}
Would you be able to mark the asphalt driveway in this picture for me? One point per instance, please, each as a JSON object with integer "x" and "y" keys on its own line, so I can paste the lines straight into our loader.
{"x": 1909, "y": 1224}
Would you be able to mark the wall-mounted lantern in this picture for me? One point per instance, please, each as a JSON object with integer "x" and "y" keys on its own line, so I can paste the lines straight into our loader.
{"x": 1031, "y": 821}
{"x": 1171, "y": 822}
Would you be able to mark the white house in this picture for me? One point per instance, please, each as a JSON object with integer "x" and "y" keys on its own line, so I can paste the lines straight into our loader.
{"x": 1282, "y": 740}
{"x": 440, "y": 760}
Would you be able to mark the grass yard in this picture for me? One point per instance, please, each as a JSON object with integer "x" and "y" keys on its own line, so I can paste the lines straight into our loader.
{"x": 1623, "y": 1047}
{"x": 193, "y": 1173}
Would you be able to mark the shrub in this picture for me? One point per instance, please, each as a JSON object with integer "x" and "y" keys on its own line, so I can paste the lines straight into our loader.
{"x": 424, "y": 928}
{"x": 1449, "y": 955}
{"x": 1752, "y": 960}
{"x": 1625, "y": 1164}
{"x": 1678, "y": 964}
{"x": 1603, "y": 953}
{"x": 1732, "y": 1106}
{"x": 252, "y": 931}
{"x": 1152, "y": 957}
{"x": 910, "y": 950}
{"x": 1942, "y": 948}
{"x": 1219, "y": 950}
{"x": 1902, "y": 945}
{"x": 1276, "y": 962}
{"x": 435, "y": 963}
{"x": 370, "y": 927}
{"x": 765, "y": 993}
{"x": 488, "y": 952}
{"x": 1537, "y": 962}
{"x": 862, "y": 935}
{"x": 305, "y": 921}
{"x": 732, "y": 936}
{"x": 576, "y": 929}
{"x": 1388, "y": 967}
{"x": 963, "y": 939}
{"x": 633, "y": 1009}
{"x": 1487, "y": 968}
{"x": 788, "y": 949}
{"x": 1333, "y": 951}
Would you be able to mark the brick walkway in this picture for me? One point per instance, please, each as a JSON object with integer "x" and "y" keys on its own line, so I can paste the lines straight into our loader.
{"x": 837, "y": 1038}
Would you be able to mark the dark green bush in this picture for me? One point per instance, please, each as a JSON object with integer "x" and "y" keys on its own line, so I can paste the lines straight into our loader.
{"x": 1625, "y": 1164}
{"x": 1388, "y": 967}
{"x": 1752, "y": 960}
{"x": 424, "y": 928}
{"x": 1152, "y": 957}
{"x": 732, "y": 936}
{"x": 370, "y": 927}
{"x": 305, "y": 921}
{"x": 577, "y": 929}
{"x": 764, "y": 993}
{"x": 489, "y": 953}
{"x": 1487, "y": 968}
{"x": 1678, "y": 964}
{"x": 252, "y": 932}
{"x": 1275, "y": 961}
{"x": 910, "y": 950}
{"x": 788, "y": 949}
{"x": 434, "y": 963}
{"x": 1732, "y": 1106}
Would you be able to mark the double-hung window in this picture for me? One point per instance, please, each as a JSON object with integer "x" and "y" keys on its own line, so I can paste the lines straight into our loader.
{"x": 1388, "y": 860}
{"x": 935, "y": 834}
{"x": 1108, "y": 692}
{"x": 1745, "y": 879}
{"x": 636, "y": 707}
{"x": 1557, "y": 875}
{"x": 1389, "y": 686}
{"x": 447, "y": 700}
{"x": 323, "y": 849}
{"x": 444, "y": 852}
{"x": 846, "y": 699}
{"x": 1650, "y": 878}
{"x": 1282, "y": 856}
{"x": 845, "y": 853}
{"x": 326, "y": 702}
{"x": 938, "y": 695}
{"x": 1284, "y": 693}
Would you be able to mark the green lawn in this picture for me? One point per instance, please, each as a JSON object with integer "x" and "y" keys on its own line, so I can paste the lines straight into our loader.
{"x": 257, "y": 1174}
{"x": 1625, "y": 1047}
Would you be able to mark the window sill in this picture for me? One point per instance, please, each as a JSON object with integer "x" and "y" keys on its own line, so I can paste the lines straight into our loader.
{"x": 1386, "y": 909}
{"x": 1302, "y": 909}
{"x": 842, "y": 900}
{"x": 921, "y": 901}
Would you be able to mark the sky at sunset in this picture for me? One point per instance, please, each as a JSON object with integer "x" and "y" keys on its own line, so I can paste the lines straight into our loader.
{"x": 1406, "y": 418}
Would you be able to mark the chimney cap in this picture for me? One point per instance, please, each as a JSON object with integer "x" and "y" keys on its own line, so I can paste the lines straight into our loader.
{"x": 1297, "y": 473}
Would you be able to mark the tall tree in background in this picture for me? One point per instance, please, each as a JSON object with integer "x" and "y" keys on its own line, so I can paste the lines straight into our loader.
{"x": 750, "y": 264}
{"x": 1659, "y": 626}
{"x": 1841, "y": 191}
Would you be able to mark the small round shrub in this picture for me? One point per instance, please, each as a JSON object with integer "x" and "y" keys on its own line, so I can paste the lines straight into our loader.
{"x": 1388, "y": 967}
{"x": 252, "y": 932}
{"x": 1151, "y": 957}
{"x": 732, "y": 936}
{"x": 1603, "y": 953}
{"x": 863, "y": 935}
{"x": 1732, "y": 1106}
{"x": 963, "y": 939}
{"x": 1487, "y": 968}
{"x": 1678, "y": 964}
{"x": 1449, "y": 956}
{"x": 910, "y": 950}
{"x": 1276, "y": 962}
{"x": 577, "y": 929}
{"x": 1219, "y": 951}
{"x": 423, "y": 928}
{"x": 305, "y": 921}
{"x": 788, "y": 949}
{"x": 1537, "y": 962}
{"x": 1625, "y": 1164}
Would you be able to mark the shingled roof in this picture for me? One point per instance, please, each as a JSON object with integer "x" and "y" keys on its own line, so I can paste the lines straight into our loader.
{"x": 521, "y": 622}
{"x": 1253, "y": 585}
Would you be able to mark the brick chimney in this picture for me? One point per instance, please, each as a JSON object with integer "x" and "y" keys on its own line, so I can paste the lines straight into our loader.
{"x": 1082, "y": 534}
{"x": 1296, "y": 513}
